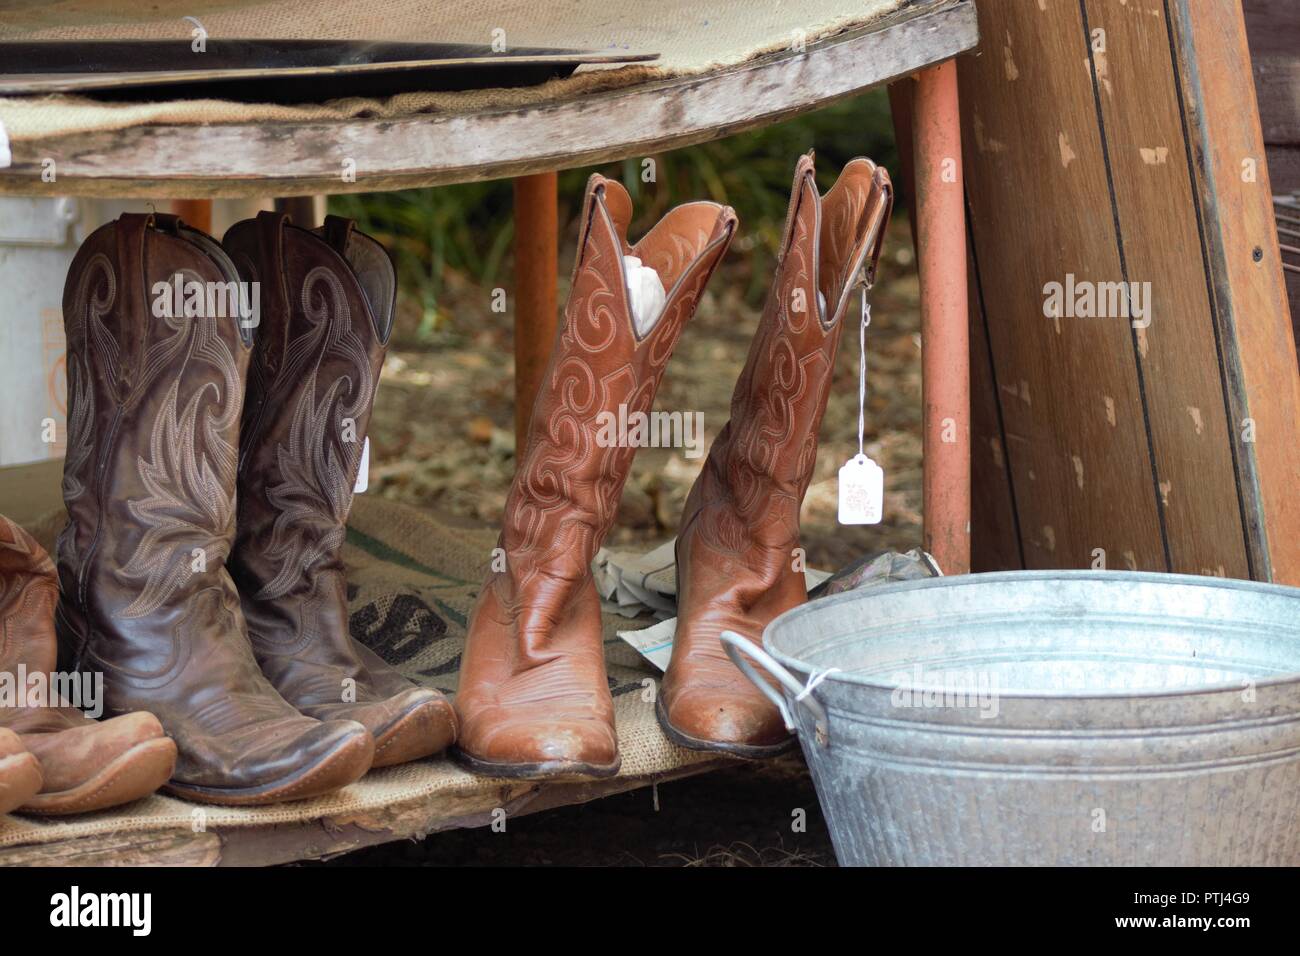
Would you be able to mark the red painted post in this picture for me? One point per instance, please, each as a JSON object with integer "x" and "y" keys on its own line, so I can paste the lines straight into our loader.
{"x": 536, "y": 277}
{"x": 945, "y": 346}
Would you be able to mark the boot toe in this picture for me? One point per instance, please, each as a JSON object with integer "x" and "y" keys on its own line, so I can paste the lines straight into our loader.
{"x": 545, "y": 747}
{"x": 303, "y": 758}
{"x": 425, "y": 724}
{"x": 20, "y": 779}
{"x": 92, "y": 765}
{"x": 715, "y": 719}
{"x": 417, "y": 722}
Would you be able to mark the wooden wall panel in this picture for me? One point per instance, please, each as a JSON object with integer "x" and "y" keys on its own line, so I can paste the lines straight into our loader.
{"x": 995, "y": 526}
{"x": 1273, "y": 32}
{"x": 1074, "y": 433}
{"x": 1246, "y": 272}
{"x": 1104, "y": 140}
{"x": 1178, "y": 353}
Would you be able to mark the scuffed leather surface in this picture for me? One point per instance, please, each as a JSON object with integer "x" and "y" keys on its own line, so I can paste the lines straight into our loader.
{"x": 316, "y": 364}
{"x": 20, "y": 773}
{"x": 72, "y": 748}
{"x": 737, "y": 541}
{"x": 149, "y": 484}
{"x": 533, "y": 687}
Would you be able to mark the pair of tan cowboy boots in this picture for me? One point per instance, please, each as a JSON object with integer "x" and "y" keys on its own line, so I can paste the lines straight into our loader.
{"x": 218, "y": 400}
{"x": 76, "y": 764}
{"x": 534, "y": 700}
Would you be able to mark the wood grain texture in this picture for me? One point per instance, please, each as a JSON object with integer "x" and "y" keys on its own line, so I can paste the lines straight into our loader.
{"x": 995, "y": 528}
{"x": 285, "y": 159}
{"x": 1071, "y": 403}
{"x": 1273, "y": 33}
{"x": 1108, "y": 141}
{"x": 1245, "y": 270}
{"x": 1178, "y": 353}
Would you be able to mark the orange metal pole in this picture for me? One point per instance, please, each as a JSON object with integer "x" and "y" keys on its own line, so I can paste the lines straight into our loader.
{"x": 536, "y": 269}
{"x": 196, "y": 213}
{"x": 945, "y": 346}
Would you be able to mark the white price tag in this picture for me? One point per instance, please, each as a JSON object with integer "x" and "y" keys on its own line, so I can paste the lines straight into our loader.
{"x": 363, "y": 473}
{"x": 862, "y": 491}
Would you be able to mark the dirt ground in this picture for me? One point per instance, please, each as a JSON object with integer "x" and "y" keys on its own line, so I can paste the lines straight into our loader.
{"x": 442, "y": 437}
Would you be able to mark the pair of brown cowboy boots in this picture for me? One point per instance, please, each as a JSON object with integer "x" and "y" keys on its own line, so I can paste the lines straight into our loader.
{"x": 215, "y": 437}
{"x": 534, "y": 700}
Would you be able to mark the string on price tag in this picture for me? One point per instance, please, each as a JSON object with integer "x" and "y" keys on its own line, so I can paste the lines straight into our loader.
{"x": 862, "y": 481}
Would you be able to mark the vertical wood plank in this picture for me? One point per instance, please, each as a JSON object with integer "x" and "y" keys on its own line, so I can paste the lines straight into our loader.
{"x": 1071, "y": 406}
{"x": 1160, "y": 245}
{"x": 1234, "y": 197}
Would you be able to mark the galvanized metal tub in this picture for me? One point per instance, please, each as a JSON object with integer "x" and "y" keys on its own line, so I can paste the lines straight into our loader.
{"x": 1048, "y": 718}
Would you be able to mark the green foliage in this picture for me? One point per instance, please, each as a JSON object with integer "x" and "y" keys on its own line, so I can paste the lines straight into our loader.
{"x": 468, "y": 228}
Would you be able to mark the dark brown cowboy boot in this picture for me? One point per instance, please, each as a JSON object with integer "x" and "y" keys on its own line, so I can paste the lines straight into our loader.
{"x": 87, "y": 764}
{"x": 20, "y": 772}
{"x": 327, "y": 311}
{"x": 736, "y": 544}
{"x": 533, "y": 699}
{"x": 149, "y": 483}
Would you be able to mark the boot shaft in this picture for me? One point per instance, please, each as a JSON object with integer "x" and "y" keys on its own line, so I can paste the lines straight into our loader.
{"x": 327, "y": 312}
{"x": 765, "y": 455}
{"x": 566, "y": 490}
{"x": 154, "y": 400}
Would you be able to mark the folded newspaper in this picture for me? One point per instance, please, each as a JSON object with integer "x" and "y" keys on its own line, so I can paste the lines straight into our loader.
{"x": 634, "y": 585}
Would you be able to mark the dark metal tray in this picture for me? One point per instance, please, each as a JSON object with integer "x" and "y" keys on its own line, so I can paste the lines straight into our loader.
{"x": 279, "y": 71}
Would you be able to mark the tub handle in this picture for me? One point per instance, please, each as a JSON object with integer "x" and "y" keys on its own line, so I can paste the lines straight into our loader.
{"x": 739, "y": 649}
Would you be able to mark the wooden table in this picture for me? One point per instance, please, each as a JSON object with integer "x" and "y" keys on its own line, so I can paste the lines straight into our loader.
{"x": 530, "y": 143}
{"x": 911, "y": 48}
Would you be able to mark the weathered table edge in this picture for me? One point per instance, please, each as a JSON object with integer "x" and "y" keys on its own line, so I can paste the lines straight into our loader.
{"x": 284, "y": 159}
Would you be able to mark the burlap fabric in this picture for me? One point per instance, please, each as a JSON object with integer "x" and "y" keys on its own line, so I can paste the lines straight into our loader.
{"x": 412, "y": 582}
{"x": 691, "y": 37}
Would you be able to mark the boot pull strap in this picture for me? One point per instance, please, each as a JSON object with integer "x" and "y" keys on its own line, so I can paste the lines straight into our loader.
{"x": 131, "y": 235}
{"x": 272, "y": 337}
{"x": 595, "y": 184}
{"x": 338, "y": 232}
{"x": 873, "y": 258}
{"x": 866, "y": 260}
{"x": 167, "y": 222}
{"x": 804, "y": 170}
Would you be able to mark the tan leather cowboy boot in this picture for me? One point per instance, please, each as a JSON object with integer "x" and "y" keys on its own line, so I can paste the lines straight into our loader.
{"x": 149, "y": 483}
{"x": 534, "y": 700}
{"x": 87, "y": 764}
{"x": 327, "y": 311}
{"x": 20, "y": 772}
{"x": 740, "y": 526}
